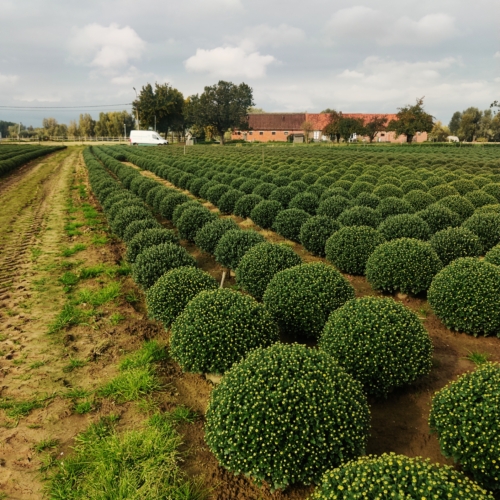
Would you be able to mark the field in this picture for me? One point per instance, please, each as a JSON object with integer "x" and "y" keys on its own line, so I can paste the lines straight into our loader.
{"x": 79, "y": 346}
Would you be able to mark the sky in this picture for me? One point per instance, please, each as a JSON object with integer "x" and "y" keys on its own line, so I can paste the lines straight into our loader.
{"x": 353, "y": 56}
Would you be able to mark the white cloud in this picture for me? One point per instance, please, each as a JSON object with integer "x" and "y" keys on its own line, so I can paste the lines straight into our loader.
{"x": 497, "y": 55}
{"x": 229, "y": 62}
{"x": 106, "y": 47}
{"x": 264, "y": 35}
{"x": 361, "y": 23}
{"x": 8, "y": 79}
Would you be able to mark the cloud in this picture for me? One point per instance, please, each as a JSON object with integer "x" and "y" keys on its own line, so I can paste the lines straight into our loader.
{"x": 497, "y": 55}
{"x": 264, "y": 35}
{"x": 8, "y": 79}
{"x": 361, "y": 23}
{"x": 106, "y": 47}
{"x": 229, "y": 62}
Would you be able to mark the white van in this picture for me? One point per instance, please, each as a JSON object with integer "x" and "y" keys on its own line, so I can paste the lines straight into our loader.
{"x": 146, "y": 138}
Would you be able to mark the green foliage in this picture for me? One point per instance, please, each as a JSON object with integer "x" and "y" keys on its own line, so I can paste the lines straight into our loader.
{"x": 126, "y": 217}
{"x": 149, "y": 238}
{"x": 151, "y": 352}
{"x": 493, "y": 256}
{"x": 480, "y": 198}
{"x": 69, "y": 251}
{"x": 287, "y": 414}
{"x": 169, "y": 203}
{"x": 333, "y": 206}
{"x": 404, "y": 226}
{"x": 458, "y": 204}
{"x": 397, "y": 476}
{"x": 394, "y": 206}
{"x": 315, "y": 232}
{"x": 265, "y": 212}
{"x": 399, "y": 346}
{"x": 246, "y": 204}
{"x": 180, "y": 209}
{"x": 367, "y": 200}
{"x": 455, "y": 242}
{"x": 466, "y": 414}
{"x": 217, "y": 329}
{"x": 209, "y": 235}
{"x": 138, "y": 226}
{"x": 302, "y": 297}
{"x": 260, "y": 263}
{"x": 465, "y": 295}
{"x": 157, "y": 260}
{"x": 233, "y": 245}
{"x": 419, "y": 199}
{"x": 388, "y": 191}
{"x": 284, "y": 195}
{"x": 192, "y": 220}
{"x": 442, "y": 191}
{"x": 168, "y": 297}
{"x": 228, "y": 201}
{"x": 406, "y": 265}
{"x": 360, "y": 216}
{"x": 486, "y": 227}
{"x": 349, "y": 248}
{"x": 289, "y": 222}
{"x": 305, "y": 201}
{"x": 439, "y": 218}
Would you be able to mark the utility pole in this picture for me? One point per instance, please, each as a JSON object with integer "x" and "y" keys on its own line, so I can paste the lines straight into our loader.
{"x": 124, "y": 131}
{"x": 137, "y": 111}
{"x": 19, "y": 133}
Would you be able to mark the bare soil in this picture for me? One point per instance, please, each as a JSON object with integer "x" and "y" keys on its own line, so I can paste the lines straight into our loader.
{"x": 33, "y": 363}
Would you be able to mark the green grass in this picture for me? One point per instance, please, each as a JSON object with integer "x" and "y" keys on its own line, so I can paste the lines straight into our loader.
{"x": 83, "y": 407}
{"x": 131, "y": 385}
{"x": 72, "y": 228}
{"x": 99, "y": 240}
{"x": 182, "y": 414}
{"x": 151, "y": 352}
{"x": 76, "y": 393}
{"x": 68, "y": 280}
{"x": 37, "y": 364}
{"x": 136, "y": 465}
{"x": 45, "y": 444}
{"x": 97, "y": 298}
{"x": 116, "y": 318}
{"x": 478, "y": 358}
{"x": 35, "y": 253}
{"x": 74, "y": 363}
{"x": 69, "y": 316}
{"x": 132, "y": 297}
{"x": 69, "y": 251}
{"x": 17, "y": 409}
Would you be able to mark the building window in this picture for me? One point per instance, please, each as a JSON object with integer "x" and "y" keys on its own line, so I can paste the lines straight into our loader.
{"x": 286, "y": 133}
{"x": 316, "y": 135}
{"x": 382, "y": 135}
{"x": 250, "y": 133}
{"x": 273, "y": 133}
{"x": 261, "y": 133}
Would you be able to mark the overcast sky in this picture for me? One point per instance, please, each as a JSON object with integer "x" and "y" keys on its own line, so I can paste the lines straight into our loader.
{"x": 355, "y": 56}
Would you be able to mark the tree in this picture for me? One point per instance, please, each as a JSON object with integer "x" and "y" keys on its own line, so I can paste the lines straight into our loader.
{"x": 469, "y": 124}
{"x": 349, "y": 126}
{"x": 73, "y": 129}
{"x": 86, "y": 125}
{"x": 163, "y": 102}
{"x": 255, "y": 111}
{"x": 439, "y": 132}
{"x": 410, "y": 120}
{"x": 455, "y": 122}
{"x": 332, "y": 129}
{"x": 222, "y": 106}
{"x": 378, "y": 123}
{"x": 4, "y": 127}
{"x": 307, "y": 128}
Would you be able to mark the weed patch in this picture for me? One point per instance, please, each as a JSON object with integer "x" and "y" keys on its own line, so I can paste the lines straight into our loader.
{"x": 97, "y": 298}
{"x": 69, "y": 316}
{"x": 69, "y": 251}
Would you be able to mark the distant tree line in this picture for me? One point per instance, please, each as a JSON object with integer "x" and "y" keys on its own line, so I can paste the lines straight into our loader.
{"x": 473, "y": 124}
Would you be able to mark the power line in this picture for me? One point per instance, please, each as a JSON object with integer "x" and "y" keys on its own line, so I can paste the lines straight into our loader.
{"x": 67, "y": 107}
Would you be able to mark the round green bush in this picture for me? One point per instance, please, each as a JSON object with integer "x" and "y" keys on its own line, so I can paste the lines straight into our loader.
{"x": 394, "y": 206}
{"x": 287, "y": 413}
{"x": 466, "y": 417}
{"x": 463, "y": 186}
{"x": 335, "y": 191}
{"x": 487, "y": 228}
{"x": 494, "y": 190}
{"x": 488, "y": 209}
{"x": 170, "y": 202}
{"x": 442, "y": 191}
{"x": 367, "y": 200}
{"x": 305, "y": 201}
{"x": 288, "y": 223}
{"x": 261, "y": 263}
{"x": 233, "y": 245}
{"x": 465, "y": 295}
{"x": 157, "y": 260}
{"x": 455, "y": 242}
{"x": 265, "y": 212}
{"x": 480, "y": 198}
{"x": 149, "y": 238}
{"x": 228, "y": 200}
{"x": 349, "y": 248}
{"x": 180, "y": 209}
{"x": 168, "y": 297}
{"x": 264, "y": 189}
{"x": 217, "y": 329}
{"x": 493, "y": 256}
{"x": 400, "y": 348}
{"x": 388, "y": 190}
{"x": 215, "y": 193}
{"x": 360, "y": 216}
{"x": 396, "y": 476}
{"x": 439, "y": 218}
{"x": 192, "y": 220}
{"x": 139, "y": 225}
{"x": 124, "y": 204}
{"x": 419, "y": 200}
{"x": 249, "y": 185}
{"x": 406, "y": 265}
{"x": 206, "y": 187}
{"x": 209, "y": 235}
{"x": 128, "y": 215}
{"x": 246, "y": 204}
{"x": 333, "y": 206}
{"x": 302, "y": 297}
{"x": 361, "y": 187}
{"x": 315, "y": 232}
{"x": 404, "y": 226}
{"x": 284, "y": 195}
{"x": 412, "y": 185}
{"x": 458, "y": 204}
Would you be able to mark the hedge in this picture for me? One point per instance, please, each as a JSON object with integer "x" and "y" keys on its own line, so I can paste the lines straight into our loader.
{"x": 486, "y": 226}
{"x": 360, "y": 216}
{"x": 265, "y": 212}
{"x": 315, "y": 232}
{"x": 233, "y": 245}
{"x": 209, "y": 235}
{"x": 192, "y": 220}
{"x": 289, "y": 222}
{"x": 455, "y": 242}
{"x": 404, "y": 226}
{"x": 148, "y": 238}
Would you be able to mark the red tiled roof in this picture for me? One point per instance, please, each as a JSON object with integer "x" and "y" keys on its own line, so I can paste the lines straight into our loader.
{"x": 320, "y": 120}
{"x": 276, "y": 121}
